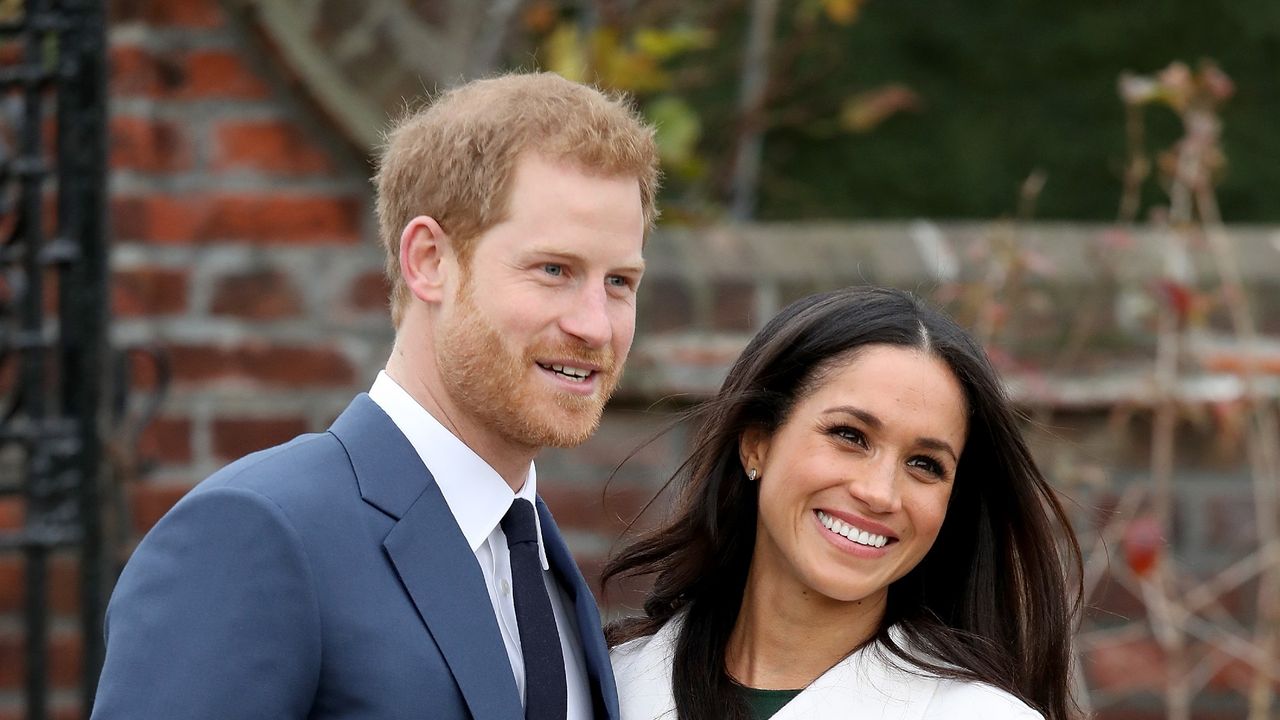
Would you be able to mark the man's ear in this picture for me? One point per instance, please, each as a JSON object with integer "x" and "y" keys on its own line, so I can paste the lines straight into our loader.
{"x": 753, "y": 449}
{"x": 427, "y": 258}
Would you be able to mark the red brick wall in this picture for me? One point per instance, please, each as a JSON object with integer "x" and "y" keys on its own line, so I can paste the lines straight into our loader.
{"x": 244, "y": 247}
{"x": 239, "y": 245}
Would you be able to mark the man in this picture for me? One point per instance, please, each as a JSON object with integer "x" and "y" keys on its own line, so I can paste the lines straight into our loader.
{"x": 394, "y": 566}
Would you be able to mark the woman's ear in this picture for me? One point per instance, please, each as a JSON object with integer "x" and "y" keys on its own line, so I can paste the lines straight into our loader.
{"x": 426, "y": 258}
{"x": 753, "y": 450}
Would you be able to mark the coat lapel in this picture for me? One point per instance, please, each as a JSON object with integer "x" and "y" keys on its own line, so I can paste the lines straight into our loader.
{"x": 865, "y": 685}
{"x": 604, "y": 693}
{"x": 432, "y": 558}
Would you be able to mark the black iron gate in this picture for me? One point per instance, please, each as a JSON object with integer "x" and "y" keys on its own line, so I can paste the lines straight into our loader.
{"x": 53, "y": 312}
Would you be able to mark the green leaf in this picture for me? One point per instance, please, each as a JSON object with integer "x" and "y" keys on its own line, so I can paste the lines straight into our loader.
{"x": 566, "y": 53}
{"x": 665, "y": 44}
{"x": 678, "y": 129}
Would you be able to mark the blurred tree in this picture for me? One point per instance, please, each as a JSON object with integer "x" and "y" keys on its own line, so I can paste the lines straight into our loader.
{"x": 723, "y": 64}
{"x": 849, "y": 108}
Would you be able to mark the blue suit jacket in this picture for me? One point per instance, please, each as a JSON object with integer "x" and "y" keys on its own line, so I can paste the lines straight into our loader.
{"x": 325, "y": 578}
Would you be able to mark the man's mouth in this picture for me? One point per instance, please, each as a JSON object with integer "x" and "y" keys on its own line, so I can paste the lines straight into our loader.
{"x": 569, "y": 372}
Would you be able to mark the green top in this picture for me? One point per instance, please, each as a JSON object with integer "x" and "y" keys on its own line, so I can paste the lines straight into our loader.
{"x": 764, "y": 703}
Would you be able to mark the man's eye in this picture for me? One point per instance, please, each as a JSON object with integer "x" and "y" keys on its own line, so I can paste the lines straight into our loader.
{"x": 553, "y": 269}
{"x": 618, "y": 281}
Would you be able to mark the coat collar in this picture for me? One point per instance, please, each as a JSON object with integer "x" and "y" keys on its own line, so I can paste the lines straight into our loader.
{"x": 883, "y": 691}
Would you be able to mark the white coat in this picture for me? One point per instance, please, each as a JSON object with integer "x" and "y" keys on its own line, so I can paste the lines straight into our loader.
{"x": 865, "y": 686}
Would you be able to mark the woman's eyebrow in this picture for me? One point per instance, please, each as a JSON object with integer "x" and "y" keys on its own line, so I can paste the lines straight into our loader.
{"x": 873, "y": 422}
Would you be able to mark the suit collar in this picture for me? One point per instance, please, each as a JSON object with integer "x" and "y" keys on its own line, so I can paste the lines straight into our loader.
{"x": 436, "y": 565}
{"x": 432, "y": 558}
{"x": 389, "y": 473}
{"x": 477, "y": 495}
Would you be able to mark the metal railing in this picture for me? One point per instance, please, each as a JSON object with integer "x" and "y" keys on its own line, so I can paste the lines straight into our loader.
{"x": 53, "y": 313}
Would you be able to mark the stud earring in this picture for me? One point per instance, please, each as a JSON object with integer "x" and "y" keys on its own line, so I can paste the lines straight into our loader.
{"x": 751, "y": 475}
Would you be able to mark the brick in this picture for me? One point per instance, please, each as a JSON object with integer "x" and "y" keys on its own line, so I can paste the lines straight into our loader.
{"x": 65, "y": 654}
{"x": 733, "y": 309}
{"x": 623, "y": 596}
{"x": 144, "y": 370}
{"x": 221, "y": 74}
{"x": 11, "y": 584}
{"x": 1127, "y": 667}
{"x": 665, "y": 304}
{"x": 149, "y": 291}
{"x": 369, "y": 292}
{"x": 265, "y": 295}
{"x": 148, "y": 502}
{"x": 11, "y": 662}
{"x": 59, "y": 709}
{"x": 62, "y": 585}
{"x": 272, "y": 219}
{"x": 281, "y": 366}
{"x": 195, "y": 14}
{"x": 166, "y": 440}
{"x": 594, "y": 509}
{"x": 135, "y": 72}
{"x": 237, "y": 437}
{"x": 274, "y": 147}
{"x": 183, "y": 75}
{"x": 290, "y": 219}
{"x": 11, "y": 513}
{"x": 146, "y": 145}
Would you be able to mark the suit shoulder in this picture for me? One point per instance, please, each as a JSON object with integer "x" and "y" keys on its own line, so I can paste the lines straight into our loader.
{"x": 965, "y": 699}
{"x": 284, "y": 471}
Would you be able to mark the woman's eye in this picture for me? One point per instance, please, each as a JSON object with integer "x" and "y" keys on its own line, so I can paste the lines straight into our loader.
{"x": 929, "y": 465}
{"x": 553, "y": 269}
{"x": 849, "y": 434}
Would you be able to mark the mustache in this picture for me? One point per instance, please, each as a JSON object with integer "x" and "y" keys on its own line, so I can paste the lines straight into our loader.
{"x": 571, "y": 353}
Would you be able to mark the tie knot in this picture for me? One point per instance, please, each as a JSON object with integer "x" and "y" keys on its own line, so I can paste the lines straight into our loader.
{"x": 518, "y": 524}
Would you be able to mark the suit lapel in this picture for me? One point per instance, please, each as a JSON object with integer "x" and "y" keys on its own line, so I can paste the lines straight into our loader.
{"x": 604, "y": 693}
{"x": 439, "y": 571}
{"x": 432, "y": 558}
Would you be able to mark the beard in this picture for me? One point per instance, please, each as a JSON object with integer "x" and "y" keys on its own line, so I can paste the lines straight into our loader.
{"x": 495, "y": 384}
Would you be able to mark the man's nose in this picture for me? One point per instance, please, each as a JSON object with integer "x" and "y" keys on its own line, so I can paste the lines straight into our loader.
{"x": 588, "y": 317}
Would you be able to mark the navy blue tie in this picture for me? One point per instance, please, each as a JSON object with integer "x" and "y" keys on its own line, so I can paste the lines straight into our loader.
{"x": 545, "y": 695}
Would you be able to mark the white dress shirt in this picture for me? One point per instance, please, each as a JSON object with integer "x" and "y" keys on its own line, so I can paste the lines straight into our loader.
{"x": 479, "y": 498}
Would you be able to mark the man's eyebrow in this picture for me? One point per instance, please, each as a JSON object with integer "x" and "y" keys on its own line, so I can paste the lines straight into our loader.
{"x": 638, "y": 267}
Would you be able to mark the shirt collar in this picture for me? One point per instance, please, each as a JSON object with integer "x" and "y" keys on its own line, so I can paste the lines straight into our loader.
{"x": 476, "y": 494}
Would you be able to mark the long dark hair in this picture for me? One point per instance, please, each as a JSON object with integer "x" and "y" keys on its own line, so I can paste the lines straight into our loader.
{"x": 989, "y": 602}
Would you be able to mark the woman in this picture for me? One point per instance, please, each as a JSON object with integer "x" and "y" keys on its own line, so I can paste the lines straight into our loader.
{"x": 860, "y": 532}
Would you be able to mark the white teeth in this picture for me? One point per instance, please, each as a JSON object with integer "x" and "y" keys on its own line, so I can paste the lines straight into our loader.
{"x": 569, "y": 372}
{"x": 862, "y": 537}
